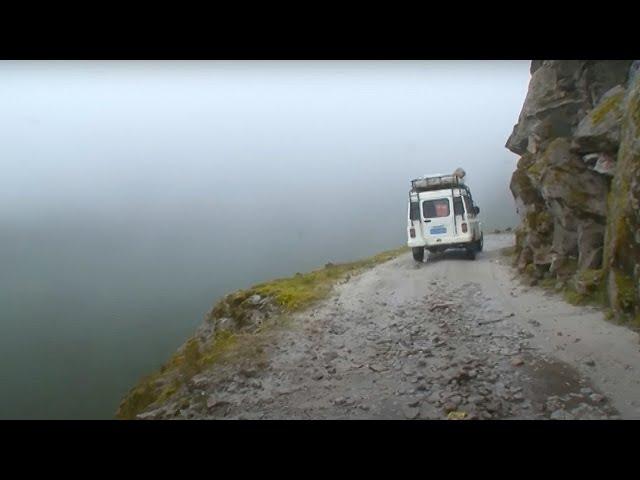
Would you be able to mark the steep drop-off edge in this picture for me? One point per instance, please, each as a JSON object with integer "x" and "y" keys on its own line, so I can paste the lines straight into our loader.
{"x": 234, "y": 324}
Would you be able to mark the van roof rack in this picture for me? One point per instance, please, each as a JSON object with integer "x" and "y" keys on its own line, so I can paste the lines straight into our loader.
{"x": 437, "y": 182}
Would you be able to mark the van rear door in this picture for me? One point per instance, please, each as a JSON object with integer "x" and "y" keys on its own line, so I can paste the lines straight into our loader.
{"x": 437, "y": 218}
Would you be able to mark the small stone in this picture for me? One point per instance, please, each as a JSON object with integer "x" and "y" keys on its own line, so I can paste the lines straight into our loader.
{"x": 152, "y": 415}
{"x": 213, "y": 402}
{"x": 492, "y": 406}
{"x": 198, "y": 381}
{"x": 254, "y": 299}
{"x": 434, "y": 397}
{"x": 561, "y": 415}
{"x": 590, "y": 363}
{"x": 256, "y": 384}
{"x": 597, "y": 398}
{"x": 517, "y": 361}
{"x": 411, "y": 413}
{"x": 449, "y": 407}
{"x": 461, "y": 376}
{"x": 330, "y": 356}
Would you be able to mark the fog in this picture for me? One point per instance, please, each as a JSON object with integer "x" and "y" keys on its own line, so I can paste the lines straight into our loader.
{"x": 134, "y": 194}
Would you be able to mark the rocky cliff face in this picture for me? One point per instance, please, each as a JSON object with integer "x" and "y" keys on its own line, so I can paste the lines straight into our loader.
{"x": 577, "y": 183}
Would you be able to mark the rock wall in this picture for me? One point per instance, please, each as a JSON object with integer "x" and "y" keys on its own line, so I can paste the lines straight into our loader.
{"x": 577, "y": 185}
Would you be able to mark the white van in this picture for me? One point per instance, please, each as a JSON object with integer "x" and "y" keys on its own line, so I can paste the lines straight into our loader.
{"x": 442, "y": 215}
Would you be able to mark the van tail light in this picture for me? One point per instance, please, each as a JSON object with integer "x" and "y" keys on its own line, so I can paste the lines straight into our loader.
{"x": 464, "y": 228}
{"x": 412, "y": 232}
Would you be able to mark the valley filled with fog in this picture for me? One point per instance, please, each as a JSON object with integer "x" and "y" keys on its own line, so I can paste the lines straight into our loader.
{"x": 134, "y": 194}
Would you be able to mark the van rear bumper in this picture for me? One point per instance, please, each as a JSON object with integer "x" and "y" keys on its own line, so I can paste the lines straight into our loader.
{"x": 444, "y": 246}
{"x": 416, "y": 242}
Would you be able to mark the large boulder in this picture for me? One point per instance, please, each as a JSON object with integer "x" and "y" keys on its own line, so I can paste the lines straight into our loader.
{"x": 563, "y": 177}
{"x": 549, "y": 108}
{"x": 561, "y": 93}
{"x": 572, "y": 223}
{"x": 599, "y": 131}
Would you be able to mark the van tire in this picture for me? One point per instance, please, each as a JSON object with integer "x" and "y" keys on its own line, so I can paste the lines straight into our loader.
{"x": 480, "y": 243}
{"x": 418, "y": 254}
{"x": 471, "y": 253}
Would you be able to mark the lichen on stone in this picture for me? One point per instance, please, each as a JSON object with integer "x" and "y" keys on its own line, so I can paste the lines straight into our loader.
{"x": 611, "y": 104}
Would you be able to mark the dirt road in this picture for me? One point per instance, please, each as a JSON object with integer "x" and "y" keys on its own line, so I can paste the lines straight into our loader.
{"x": 449, "y": 338}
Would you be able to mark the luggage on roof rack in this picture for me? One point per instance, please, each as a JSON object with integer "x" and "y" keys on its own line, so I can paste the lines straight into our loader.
{"x": 436, "y": 182}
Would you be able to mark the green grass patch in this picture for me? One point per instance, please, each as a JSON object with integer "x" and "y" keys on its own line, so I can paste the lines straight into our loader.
{"x": 592, "y": 289}
{"x": 301, "y": 290}
{"x": 548, "y": 283}
{"x": 573, "y": 297}
{"x": 508, "y": 251}
{"x": 625, "y": 286}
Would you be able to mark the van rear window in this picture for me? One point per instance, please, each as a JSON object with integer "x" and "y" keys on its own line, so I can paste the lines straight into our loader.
{"x": 435, "y": 208}
{"x": 469, "y": 206}
{"x": 458, "y": 209}
{"x": 414, "y": 211}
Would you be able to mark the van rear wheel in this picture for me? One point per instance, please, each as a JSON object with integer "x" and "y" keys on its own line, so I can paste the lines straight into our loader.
{"x": 418, "y": 254}
{"x": 471, "y": 253}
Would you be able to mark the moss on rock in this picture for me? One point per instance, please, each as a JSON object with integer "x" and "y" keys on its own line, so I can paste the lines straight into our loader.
{"x": 621, "y": 245}
{"x": 626, "y": 292}
{"x": 613, "y": 104}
